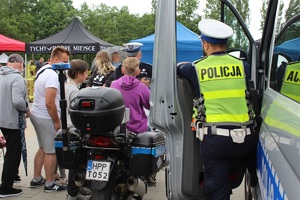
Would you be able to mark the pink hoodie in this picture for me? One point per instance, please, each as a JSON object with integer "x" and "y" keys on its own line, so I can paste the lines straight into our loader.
{"x": 136, "y": 96}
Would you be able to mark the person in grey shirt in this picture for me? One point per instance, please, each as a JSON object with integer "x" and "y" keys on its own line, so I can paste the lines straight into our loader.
{"x": 13, "y": 101}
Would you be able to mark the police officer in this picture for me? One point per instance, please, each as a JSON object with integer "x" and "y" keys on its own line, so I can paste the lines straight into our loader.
{"x": 133, "y": 49}
{"x": 223, "y": 112}
{"x": 288, "y": 80}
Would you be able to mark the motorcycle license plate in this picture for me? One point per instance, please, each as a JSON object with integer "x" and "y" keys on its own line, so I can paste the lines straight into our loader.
{"x": 97, "y": 170}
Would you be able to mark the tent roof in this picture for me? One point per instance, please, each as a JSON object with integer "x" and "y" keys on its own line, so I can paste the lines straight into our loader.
{"x": 291, "y": 48}
{"x": 8, "y": 44}
{"x": 189, "y": 46}
{"x": 74, "y": 37}
{"x": 186, "y": 39}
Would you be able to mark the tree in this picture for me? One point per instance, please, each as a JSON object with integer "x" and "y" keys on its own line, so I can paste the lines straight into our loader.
{"x": 153, "y": 6}
{"x": 239, "y": 39}
{"x": 263, "y": 13}
{"x": 293, "y": 9}
{"x": 186, "y": 14}
{"x": 15, "y": 19}
{"x": 51, "y": 16}
{"x": 280, "y": 16}
{"x": 213, "y": 11}
{"x": 116, "y": 26}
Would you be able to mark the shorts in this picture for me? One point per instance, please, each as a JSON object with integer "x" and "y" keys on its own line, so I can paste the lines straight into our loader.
{"x": 45, "y": 133}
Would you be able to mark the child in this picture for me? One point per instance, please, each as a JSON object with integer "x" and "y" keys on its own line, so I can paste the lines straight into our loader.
{"x": 76, "y": 75}
{"x": 136, "y": 95}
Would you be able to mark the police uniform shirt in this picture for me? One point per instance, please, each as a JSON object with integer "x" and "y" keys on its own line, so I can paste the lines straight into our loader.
{"x": 145, "y": 68}
{"x": 188, "y": 71}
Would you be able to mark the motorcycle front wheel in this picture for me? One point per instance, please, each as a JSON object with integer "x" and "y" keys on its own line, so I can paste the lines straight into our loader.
{"x": 110, "y": 191}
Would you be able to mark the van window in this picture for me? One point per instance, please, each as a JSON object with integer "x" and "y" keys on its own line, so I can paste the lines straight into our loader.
{"x": 285, "y": 68}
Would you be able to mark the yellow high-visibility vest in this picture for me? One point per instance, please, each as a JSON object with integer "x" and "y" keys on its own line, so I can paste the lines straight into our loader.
{"x": 223, "y": 85}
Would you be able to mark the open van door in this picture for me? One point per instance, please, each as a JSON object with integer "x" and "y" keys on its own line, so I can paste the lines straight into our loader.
{"x": 171, "y": 100}
{"x": 278, "y": 157}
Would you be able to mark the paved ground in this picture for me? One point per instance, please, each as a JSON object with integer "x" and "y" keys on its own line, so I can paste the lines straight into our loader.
{"x": 154, "y": 193}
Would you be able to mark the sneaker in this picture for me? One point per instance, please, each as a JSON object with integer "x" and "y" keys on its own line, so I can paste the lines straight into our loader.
{"x": 17, "y": 179}
{"x": 54, "y": 188}
{"x": 9, "y": 192}
{"x": 34, "y": 183}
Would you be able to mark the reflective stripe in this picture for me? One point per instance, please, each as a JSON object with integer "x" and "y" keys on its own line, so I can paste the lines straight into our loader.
{"x": 224, "y": 94}
{"x": 241, "y": 118}
{"x": 283, "y": 126}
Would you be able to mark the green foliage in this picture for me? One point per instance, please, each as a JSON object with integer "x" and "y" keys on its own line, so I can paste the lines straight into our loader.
{"x": 293, "y": 9}
{"x": 263, "y": 13}
{"x": 280, "y": 16}
{"x": 116, "y": 26}
{"x": 186, "y": 14}
{"x": 213, "y": 11}
{"x": 15, "y": 19}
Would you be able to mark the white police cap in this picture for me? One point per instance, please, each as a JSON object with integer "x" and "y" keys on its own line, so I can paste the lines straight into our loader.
{"x": 214, "y": 31}
{"x": 133, "y": 46}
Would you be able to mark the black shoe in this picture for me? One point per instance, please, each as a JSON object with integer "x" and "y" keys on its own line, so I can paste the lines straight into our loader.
{"x": 17, "y": 179}
{"x": 9, "y": 192}
{"x": 34, "y": 183}
{"x": 54, "y": 188}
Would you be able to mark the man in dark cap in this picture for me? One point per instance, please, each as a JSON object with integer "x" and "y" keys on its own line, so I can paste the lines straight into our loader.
{"x": 14, "y": 105}
{"x": 133, "y": 49}
{"x": 224, "y": 120}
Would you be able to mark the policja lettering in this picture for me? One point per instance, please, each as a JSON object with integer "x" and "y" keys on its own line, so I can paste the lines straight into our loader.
{"x": 219, "y": 72}
{"x": 293, "y": 76}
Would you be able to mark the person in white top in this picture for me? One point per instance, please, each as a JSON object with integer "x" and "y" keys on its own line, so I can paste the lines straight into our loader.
{"x": 76, "y": 75}
{"x": 45, "y": 120}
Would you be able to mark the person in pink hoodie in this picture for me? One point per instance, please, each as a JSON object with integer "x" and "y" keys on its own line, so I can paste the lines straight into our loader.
{"x": 136, "y": 95}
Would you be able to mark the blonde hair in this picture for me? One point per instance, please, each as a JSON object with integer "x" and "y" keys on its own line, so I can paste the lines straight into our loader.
{"x": 103, "y": 62}
{"x": 131, "y": 66}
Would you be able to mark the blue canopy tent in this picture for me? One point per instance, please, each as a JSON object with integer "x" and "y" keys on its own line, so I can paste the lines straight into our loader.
{"x": 290, "y": 48}
{"x": 189, "y": 46}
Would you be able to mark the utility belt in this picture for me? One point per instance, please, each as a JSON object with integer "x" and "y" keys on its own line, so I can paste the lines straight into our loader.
{"x": 237, "y": 134}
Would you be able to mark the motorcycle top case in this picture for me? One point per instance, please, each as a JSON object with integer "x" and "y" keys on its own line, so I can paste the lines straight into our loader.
{"x": 147, "y": 153}
{"x": 73, "y": 157}
{"x": 96, "y": 109}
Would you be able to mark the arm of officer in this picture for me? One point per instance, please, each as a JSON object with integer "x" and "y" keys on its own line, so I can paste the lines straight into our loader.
{"x": 188, "y": 71}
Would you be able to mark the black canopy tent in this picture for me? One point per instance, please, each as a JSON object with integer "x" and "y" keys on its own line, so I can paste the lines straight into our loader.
{"x": 74, "y": 37}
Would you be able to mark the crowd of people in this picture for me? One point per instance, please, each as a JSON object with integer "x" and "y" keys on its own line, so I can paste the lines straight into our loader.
{"x": 45, "y": 111}
{"x": 219, "y": 122}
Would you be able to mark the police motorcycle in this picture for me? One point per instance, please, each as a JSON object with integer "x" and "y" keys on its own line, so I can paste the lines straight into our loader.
{"x": 111, "y": 162}
{"x": 171, "y": 100}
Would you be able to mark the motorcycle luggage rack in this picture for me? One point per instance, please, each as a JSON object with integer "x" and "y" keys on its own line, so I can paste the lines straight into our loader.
{"x": 101, "y": 148}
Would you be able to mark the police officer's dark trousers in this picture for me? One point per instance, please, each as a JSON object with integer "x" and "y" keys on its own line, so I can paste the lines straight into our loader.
{"x": 12, "y": 156}
{"x": 217, "y": 152}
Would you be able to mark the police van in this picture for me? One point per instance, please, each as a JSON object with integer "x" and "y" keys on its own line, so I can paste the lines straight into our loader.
{"x": 275, "y": 74}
